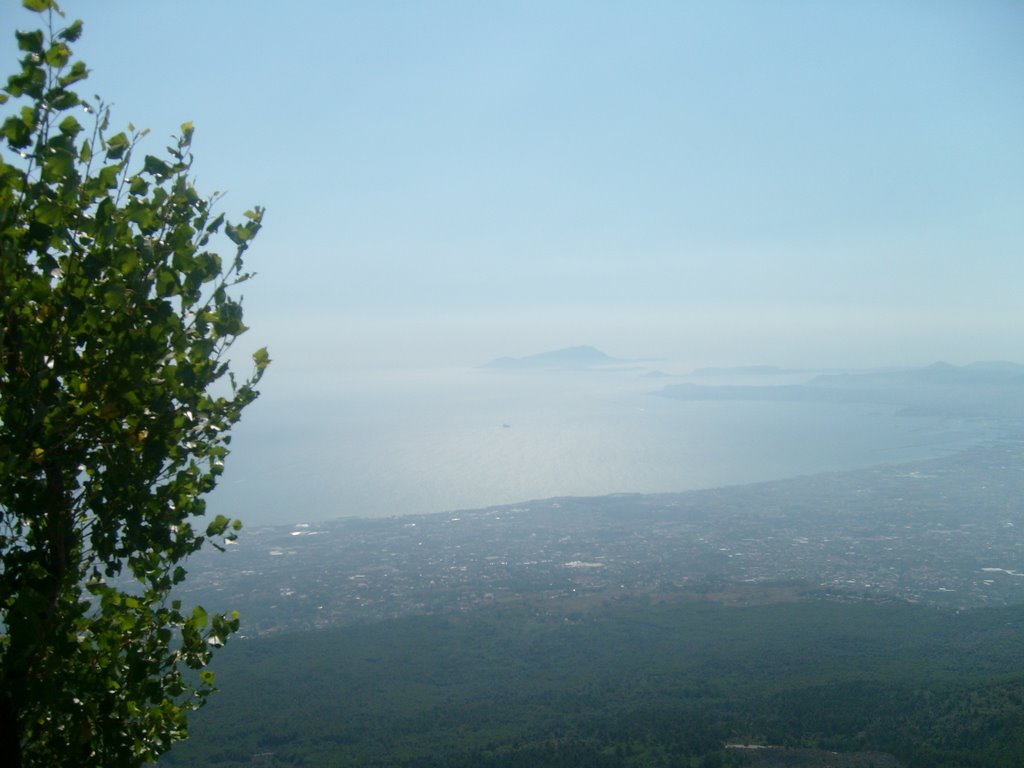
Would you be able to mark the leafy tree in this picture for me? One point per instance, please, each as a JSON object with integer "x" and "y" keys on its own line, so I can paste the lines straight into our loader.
{"x": 116, "y": 399}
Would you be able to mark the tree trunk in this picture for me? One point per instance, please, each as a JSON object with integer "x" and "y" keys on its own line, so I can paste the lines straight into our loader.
{"x": 10, "y": 734}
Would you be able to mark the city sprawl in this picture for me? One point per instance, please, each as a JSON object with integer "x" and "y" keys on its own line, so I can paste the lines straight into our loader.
{"x": 946, "y": 532}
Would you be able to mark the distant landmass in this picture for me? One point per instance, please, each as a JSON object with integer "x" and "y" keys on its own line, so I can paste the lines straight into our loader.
{"x": 979, "y": 389}
{"x": 570, "y": 357}
{"x": 745, "y": 370}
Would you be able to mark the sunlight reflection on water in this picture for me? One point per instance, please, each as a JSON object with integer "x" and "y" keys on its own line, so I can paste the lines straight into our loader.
{"x": 453, "y": 440}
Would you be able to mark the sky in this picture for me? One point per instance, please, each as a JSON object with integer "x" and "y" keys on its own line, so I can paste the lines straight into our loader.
{"x": 731, "y": 183}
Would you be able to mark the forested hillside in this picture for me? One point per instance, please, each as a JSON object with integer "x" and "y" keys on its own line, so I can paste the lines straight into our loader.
{"x": 629, "y": 683}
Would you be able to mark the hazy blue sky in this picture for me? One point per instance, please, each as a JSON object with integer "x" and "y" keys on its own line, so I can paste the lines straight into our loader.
{"x": 802, "y": 183}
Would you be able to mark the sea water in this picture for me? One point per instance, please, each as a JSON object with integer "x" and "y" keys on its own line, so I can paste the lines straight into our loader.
{"x": 431, "y": 441}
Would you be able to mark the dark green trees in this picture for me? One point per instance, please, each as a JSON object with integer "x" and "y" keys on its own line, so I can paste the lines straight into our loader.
{"x": 115, "y": 405}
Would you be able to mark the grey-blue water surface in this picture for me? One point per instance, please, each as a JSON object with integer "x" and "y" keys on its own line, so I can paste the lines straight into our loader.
{"x": 394, "y": 444}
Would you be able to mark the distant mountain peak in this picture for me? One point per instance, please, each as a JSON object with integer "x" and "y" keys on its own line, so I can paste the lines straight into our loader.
{"x": 581, "y": 356}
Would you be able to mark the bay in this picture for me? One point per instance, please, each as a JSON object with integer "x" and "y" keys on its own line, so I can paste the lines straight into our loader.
{"x": 384, "y": 444}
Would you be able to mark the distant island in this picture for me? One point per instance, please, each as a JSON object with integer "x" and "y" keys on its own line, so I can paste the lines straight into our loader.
{"x": 570, "y": 357}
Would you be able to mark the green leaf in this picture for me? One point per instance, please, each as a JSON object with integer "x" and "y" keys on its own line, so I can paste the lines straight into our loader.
{"x": 17, "y": 133}
{"x": 49, "y": 213}
{"x": 138, "y": 186}
{"x": 261, "y": 358}
{"x": 57, "y": 55}
{"x": 237, "y": 234}
{"x": 113, "y": 298}
{"x": 38, "y": 5}
{"x": 144, "y": 216}
{"x": 72, "y": 32}
{"x": 117, "y": 145}
{"x": 109, "y": 175}
{"x": 58, "y": 166}
{"x": 69, "y": 126}
{"x": 31, "y": 42}
{"x": 167, "y": 283}
{"x": 199, "y": 618}
{"x": 29, "y": 82}
{"x": 77, "y": 72}
{"x": 60, "y": 100}
{"x": 156, "y": 166}
{"x": 217, "y": 526}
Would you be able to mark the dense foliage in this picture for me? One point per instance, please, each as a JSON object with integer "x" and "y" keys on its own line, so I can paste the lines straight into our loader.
{"x": 632, "y": 683}
{"x": 115, "y": 404}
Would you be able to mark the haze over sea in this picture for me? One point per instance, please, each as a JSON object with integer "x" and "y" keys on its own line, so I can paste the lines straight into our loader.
{"x": 807, "y": 184}
{"x": 423, "y": 441}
